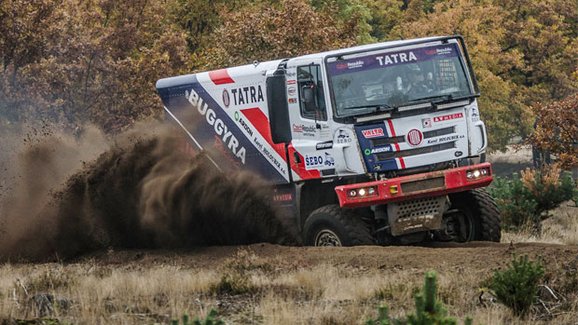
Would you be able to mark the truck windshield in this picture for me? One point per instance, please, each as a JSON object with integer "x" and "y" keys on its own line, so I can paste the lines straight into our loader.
{"x": 370, "y": 83}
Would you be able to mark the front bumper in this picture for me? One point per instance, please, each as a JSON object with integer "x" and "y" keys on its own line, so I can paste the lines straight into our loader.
{"x": 414, "y": 186}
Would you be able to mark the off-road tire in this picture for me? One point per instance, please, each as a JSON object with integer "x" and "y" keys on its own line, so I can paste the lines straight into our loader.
{"x": 350, "y": 228}
{"x": 482, "y": 208}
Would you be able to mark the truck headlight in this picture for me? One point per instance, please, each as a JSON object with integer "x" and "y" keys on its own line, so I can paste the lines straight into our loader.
{"x": 363, "y": 192}
{"x": 477, "y": 173}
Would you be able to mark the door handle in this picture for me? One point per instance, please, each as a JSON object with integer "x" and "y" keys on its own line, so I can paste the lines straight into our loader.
{"x": 296, "y": 157}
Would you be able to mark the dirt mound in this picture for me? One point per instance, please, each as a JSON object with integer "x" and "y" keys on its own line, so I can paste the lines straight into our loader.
{"x": 143, "y": 192}
{"x": 481, "y": 257}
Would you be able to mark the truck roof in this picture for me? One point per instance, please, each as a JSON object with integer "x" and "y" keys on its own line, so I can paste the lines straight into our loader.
{"x": 250, "y": 68}
{"x": 369, "y": 47}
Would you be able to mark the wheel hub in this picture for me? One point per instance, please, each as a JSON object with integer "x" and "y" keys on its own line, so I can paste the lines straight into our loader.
{"x": 457, "y": 226}
{"x": 327, "y": 237}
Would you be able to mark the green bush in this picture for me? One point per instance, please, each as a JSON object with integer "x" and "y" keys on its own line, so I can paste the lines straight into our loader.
{"x": 211, "y": 319}
{"x": 429, "y": 311}
{"x": 517, "y": 286}
{"x": 517, "y": 207}
{"x": 523, "y": 199}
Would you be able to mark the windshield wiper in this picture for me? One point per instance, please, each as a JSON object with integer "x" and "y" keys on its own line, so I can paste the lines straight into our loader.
{"x": 376, "y": 108}
{"x": 441, "y": 99}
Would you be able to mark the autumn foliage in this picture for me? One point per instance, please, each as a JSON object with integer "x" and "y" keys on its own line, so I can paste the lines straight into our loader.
{"x": 77, "y": 61}
{"x": 557, "y": 130}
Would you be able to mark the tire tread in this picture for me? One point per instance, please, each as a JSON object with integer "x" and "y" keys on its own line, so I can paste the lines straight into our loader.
{"x": 357, "y": 231}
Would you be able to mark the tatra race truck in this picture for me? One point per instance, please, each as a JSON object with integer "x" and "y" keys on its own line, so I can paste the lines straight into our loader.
{"x": 374, "y": 144}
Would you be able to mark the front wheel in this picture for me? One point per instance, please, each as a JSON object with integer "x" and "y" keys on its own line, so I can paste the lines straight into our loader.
{"x": 473, "y": 216}
{"x": 332, "y": 226}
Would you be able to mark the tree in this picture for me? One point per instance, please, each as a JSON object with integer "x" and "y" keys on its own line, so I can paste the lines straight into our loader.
{"x": 98, "y": 63}
{"x": 481, "y": 23}
{"x": 557, "y": 130}
{"x": 286, "y": 29}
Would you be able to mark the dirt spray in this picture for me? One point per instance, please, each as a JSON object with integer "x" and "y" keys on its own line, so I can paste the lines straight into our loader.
{"x": 142, "y": 192}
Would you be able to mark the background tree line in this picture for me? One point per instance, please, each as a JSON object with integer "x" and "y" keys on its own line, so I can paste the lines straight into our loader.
{"x": 76, "y": 61}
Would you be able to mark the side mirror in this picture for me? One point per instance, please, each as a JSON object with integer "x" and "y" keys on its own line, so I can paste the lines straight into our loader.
{"x": 278, "y": 108}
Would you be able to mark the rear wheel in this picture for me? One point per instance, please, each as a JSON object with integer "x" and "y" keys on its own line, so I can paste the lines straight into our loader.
{"x": 473, "y": 216}
{"x": 332, "y": 226}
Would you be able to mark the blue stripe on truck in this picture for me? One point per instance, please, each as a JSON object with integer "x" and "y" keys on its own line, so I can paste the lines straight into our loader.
{"x": 208, "y": 123}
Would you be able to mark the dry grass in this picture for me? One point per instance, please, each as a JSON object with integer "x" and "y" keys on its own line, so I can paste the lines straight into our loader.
{"x": 321, "y": 294}
{"x": 281, "y": 292}
{"x": 561, "y": 227}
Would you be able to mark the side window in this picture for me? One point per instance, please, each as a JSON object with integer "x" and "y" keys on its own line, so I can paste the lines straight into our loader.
{"x": 312, "y": 100}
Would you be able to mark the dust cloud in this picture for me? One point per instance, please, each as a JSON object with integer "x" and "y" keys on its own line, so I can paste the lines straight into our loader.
{"x": 63, "y": 196}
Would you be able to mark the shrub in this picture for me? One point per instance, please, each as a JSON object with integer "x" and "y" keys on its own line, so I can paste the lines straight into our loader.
{"x": 428, "y": 309}
{"x": 233, "y": 283}
{"x": 236, "y": 278}
{"x": 548, "y": 187}
{"x": 211, "y": 319}
{"x": 524, "y": 199}
{"x": 517, "y": 286}
{"x": 514, "y": 201}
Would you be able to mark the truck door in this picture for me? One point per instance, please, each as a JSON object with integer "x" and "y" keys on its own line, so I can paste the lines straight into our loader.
{"x": 310, "y": 151}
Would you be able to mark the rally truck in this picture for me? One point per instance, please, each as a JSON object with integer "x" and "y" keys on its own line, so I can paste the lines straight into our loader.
{"x": 374, "y": 144}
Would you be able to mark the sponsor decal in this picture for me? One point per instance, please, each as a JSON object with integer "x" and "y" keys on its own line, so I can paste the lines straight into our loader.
{"x": 448, "y": 117}
{"x": 342, "y": 136}
{"x": 282, "y": 197}
{"x": 350, "y": 65}
{"x": 381, "y": 60}
{"x": 395, "y": 58}
{"x": 226, "y": 98}
{"x": 458, "y": 153}
{"x": 372, "y": 133}
{"x": 324, "y": 145}
{"x": 272, "y": 158}
{"x": 220, "y": 128}
{"x": 355, "y": 65}
{"x": 268, "y": 154}
{"x": 446, "y": 139}
{"x": 377, "y": 150}
{"x": 291, "y": 91}
{"x": 439, "y": 51}
{"x": 313, "y": 161}
{"x": 442, "y": 51}
{"x": 414, "y": 137}
{"x": 244, "y": 124}
{"x": 319, "y": 161}
{"x": 247, "y": 95}
{"x": 308, "y": 130}
{"x": 292, "y": 100}
{"x": 329, "y": 161}
{"x": 291, "y": 82}
{"x": 426, "y": 122}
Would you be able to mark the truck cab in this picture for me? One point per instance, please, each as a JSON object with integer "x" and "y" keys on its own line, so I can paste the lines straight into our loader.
{"x": 380, "y": 143}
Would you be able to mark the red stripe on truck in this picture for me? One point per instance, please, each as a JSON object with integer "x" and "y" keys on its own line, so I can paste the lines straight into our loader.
{"x": 392, "y": 130}
{"x": 260, "y": 121}
{"x": 221, "y": 77}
